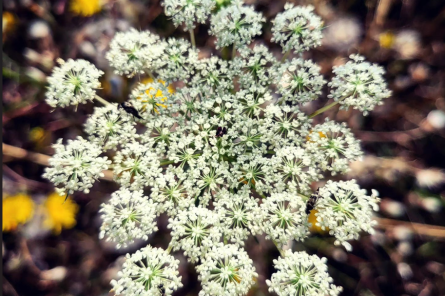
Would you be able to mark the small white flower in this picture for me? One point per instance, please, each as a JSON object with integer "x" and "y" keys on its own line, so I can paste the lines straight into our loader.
{"x": 300, "y": 81}
{"x": 194, "y": 231}
{"x": 359, "y": 84}
{"x": 127, "y": 216}
{"x": 293, "y": 169}
{"x": 284, "y": 218}
{"x": 297, "y": 28}
{"x": 235, "y": 24}
{"x": 136, "y": 166}
{"x": 148, "y": 272}
{"x": 345, "y": 210}
{"x": 134, "y": 52}
{"x": 110, "y": 127}
{"x": 255, "y": 67}
{"x": 188, "y": 12}
{"x": 301, "y": 274}
{"x": 333, "y": 146}
{"x": 226, "y": 270}
{"x": 74, "y": 82}
{"x": 238, "y": 215}
{"x": 76, "y": 166}
{"x": 213, "y": 72}
{"x": 180, "y": 59}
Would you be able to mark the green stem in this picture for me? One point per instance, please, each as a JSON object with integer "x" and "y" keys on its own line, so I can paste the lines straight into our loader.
{"x": 101, "y": 100}
{"x": 285, "y": 56}
{"x": 167, "y": 162}
{"x": 192, "y": 37}
{"x": 321, "y": 110}
{"x": 169, "y": 249}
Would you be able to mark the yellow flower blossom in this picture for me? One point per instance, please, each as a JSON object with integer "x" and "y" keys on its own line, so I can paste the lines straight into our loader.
{"x": 9, "y": 22}
{"x": 85, "y": 7}
{"x": 386, "y": 39}
{"x": 17, "y": 209}
{"x": 159, "y": 96}
{"x": 60, "y": 213}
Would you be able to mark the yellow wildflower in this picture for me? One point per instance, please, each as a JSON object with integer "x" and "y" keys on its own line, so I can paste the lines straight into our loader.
{"x": 17, "y": 209}
{"x": 386, "y": 39}
{"x": 159, "y": 96}
{"x": 85, "y": 7}
{"x": 60, "y": 213}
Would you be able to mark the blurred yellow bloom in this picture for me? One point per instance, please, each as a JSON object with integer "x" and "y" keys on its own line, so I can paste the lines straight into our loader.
{"x": 159, "y": 96}
{"x": 313, "y": 219}
{"x": 17, "y": 209}
{"x": 60, "y": 213}
{"x": 386, "y": 39}
{"x": 85, "y": 7}
{"x": 8, "y": 21}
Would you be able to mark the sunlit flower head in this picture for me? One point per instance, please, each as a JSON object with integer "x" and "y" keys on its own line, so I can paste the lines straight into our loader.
{"x": 188, "y": 12}
{"x": 226, "y": 270}
{"x": 346, "y": 210}
{"x": 301, "y": 274}
{"x": 152, "y": 97}
{"x": 148, "y": 272}
{"x": 76, "y": 165}
{"x": 59, "y": 213}
{"x": 359, "y": 84}
{"x": 297, "y": 28}
{"x": 73, "y": 82}
{"x": 128, "y": 216}
{"x": 236, "y": 24}
{"x": 16, "y": 210}
{"x": 134, "y": 52}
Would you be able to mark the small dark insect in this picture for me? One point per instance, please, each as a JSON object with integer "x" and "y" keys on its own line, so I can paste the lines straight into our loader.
{"x": 312, "y": 201}
{"x": 161, "y": 289}
{"x": 128, "y": 107}
{"x": 221, "y": 131}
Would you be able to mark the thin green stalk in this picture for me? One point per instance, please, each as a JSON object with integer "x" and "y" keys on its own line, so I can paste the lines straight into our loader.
{"x": 102, "y": 101}
{"x": 321, "y": 110}
{"x": 167, "y": 162}
{"x": 192, "y": 37}
{"x": 285, "y": 56}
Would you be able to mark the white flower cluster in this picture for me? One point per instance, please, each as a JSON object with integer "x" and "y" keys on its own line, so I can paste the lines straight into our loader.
{"x": 188, "y": 12}
{"x": 236, "y": 24}
{"x": 148, "y": 272}
{"x": 297, "y": 28}
{"x": 300, "y": 81}
{"x": 301, "y": 274}
{"x": 76, "y": 166}
{"x": 227, "y": 155}
{"x": 345, "y": 210}
{"x": 109, "y": 127}
{"x": 128, "y": 216}
{"x": 133, "y": 52}
{"x": 359, "y": 84}
{"x": 74, "y": 82}
{"x": 226, "y": 270}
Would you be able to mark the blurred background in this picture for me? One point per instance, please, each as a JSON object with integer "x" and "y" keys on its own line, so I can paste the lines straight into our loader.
{"x": 50, "y": 248}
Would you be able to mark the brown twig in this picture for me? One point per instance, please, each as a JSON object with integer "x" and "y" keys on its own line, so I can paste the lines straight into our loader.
{"x": 42, "y": 159}
{"x": 418, "y": 228}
